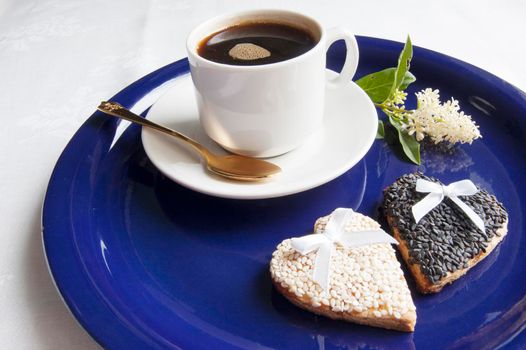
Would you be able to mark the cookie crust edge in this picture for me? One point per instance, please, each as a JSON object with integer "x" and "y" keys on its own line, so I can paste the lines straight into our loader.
{"x": 406, "y": 323}
{"x": 423, "y": 284}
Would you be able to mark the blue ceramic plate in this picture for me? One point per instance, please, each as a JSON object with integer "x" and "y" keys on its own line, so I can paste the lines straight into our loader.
{"x": 145, "y": 263}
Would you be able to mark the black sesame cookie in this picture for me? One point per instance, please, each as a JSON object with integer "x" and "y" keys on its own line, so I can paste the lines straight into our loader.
{"x": 445, "y": 243}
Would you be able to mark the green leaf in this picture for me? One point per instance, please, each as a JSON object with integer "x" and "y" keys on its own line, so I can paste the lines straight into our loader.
{"x": 380, "y": 133}
{"x": 378, "y": 85}
{"x": 409, "y": 144}
{"x": 404, "y": 62}
{"x": 408, "y": 79}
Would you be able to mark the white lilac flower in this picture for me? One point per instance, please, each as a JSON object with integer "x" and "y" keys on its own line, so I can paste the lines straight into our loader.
{"x": 440, "y": 121}
{"x": 416, "y": 126}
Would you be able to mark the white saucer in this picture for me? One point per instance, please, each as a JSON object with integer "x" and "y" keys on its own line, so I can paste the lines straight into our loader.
{"x": 349, "y": 129}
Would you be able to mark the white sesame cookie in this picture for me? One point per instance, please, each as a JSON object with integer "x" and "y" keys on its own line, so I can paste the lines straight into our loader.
{"x": 367, "y": 284}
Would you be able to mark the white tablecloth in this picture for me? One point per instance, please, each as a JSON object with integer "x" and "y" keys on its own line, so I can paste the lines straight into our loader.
{"x": 60, "y": 58}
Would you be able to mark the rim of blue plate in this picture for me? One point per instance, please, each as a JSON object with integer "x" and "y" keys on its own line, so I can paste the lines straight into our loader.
{"x": 66, "y": 268}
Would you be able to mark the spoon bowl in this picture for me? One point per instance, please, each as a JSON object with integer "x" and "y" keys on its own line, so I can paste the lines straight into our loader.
{"x": 243, "y": 168}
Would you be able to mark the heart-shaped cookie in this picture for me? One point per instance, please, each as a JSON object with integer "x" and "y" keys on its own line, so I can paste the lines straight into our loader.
{"x": 365, "y": 283}
{"x": 446, "y": 242}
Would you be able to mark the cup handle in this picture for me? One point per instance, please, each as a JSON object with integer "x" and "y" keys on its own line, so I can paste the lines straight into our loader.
{"x": 351, "y": 56}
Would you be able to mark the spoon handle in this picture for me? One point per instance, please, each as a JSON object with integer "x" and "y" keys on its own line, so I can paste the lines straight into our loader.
{"x": 117, "y": 110}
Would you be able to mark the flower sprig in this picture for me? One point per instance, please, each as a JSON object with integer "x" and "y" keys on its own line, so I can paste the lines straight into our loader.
{"x": 432, "y": 119}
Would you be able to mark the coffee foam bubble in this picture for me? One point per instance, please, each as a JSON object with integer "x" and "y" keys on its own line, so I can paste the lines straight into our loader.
{"x": 248, "y": 52}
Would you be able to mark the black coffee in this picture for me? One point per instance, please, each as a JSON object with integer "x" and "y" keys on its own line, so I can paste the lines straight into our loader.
{"x": 255, "y": 43}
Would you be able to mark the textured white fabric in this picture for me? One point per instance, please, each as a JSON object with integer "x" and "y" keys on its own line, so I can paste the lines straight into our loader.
{"x": 60, "y": 58}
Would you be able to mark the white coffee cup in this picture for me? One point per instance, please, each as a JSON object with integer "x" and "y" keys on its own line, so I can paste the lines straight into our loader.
{"x": 266, "y": 110}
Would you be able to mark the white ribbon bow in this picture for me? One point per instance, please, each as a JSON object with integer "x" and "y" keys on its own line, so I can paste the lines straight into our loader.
{"x": 437, "y": 193}
{"x": 334, "y": 233}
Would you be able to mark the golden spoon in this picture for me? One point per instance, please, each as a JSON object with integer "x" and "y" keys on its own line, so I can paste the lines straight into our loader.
{"x": 234, "y": 167}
